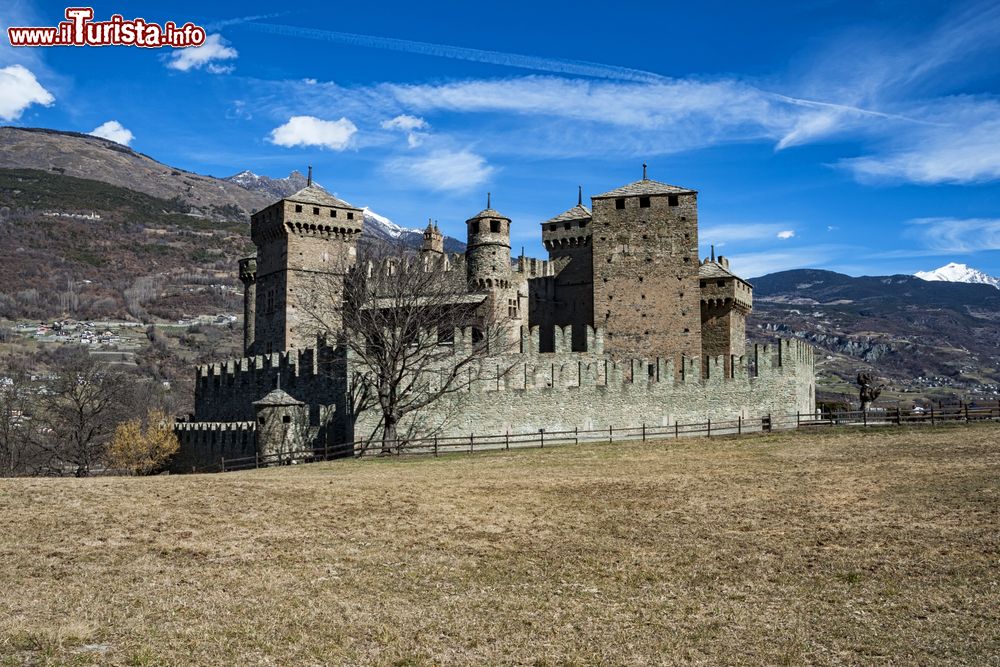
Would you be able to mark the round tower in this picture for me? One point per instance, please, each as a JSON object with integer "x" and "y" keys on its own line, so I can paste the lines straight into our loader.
{"x": 248, "y": 276}
{"x": 487, "y": 254}
{"x": 282, "y": 425}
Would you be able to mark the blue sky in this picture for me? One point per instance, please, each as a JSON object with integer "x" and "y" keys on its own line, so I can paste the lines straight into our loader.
{"x": 858, "y": 137}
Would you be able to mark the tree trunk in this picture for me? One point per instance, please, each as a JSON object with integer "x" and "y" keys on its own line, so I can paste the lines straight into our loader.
{"x": 388, "y": 434}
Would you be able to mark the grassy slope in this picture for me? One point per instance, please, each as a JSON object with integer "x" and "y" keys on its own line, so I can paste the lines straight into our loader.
{"x": 845, "y": 547}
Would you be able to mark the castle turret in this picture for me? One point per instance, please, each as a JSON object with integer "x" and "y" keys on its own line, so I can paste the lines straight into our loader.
{"x": 282, "y": 425}
{"x": 726, "y": 300}
{"x": 248, "y": 276}
{"x": 487, "y": 253}
{"x": 306, "y": 243}
{"x": 433, "y": 240}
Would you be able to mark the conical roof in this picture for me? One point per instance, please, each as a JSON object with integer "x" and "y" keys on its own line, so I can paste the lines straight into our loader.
{"x": 278, "y": 397}
{"x": 488, "y": 213}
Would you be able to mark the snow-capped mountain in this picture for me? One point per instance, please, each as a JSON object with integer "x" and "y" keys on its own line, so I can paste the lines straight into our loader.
{"x": 959, "y": 273}
{"x": 273, "y": 187}
{"x": 376, "y": 226}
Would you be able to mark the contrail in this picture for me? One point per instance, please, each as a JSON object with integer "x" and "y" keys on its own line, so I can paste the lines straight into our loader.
{"x": 218, "y": 25}
{"x": 535, "y": 63}
{"x": 560, "y": 66}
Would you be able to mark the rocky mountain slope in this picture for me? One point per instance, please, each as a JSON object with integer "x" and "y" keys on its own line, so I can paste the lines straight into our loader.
{"x": 918, "y": 334}
{"x": 93, "y": 158}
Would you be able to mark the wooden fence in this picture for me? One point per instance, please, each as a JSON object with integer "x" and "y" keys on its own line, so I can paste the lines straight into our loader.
{"x": 437, "y": 445}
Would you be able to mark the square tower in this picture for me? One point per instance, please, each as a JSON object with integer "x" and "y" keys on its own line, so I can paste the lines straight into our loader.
{"x": 645, "y": 264}
{"x": 306, "y": 243}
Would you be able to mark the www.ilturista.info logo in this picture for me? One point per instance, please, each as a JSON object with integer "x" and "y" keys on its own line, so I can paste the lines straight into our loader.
{"x": 79, "y": 29}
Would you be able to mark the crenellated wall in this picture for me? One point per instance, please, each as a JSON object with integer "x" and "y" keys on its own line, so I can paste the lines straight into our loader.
{"x": 564, "y": 389}
{"x": 520, "y": 391}
{"x": 203, "y": 445}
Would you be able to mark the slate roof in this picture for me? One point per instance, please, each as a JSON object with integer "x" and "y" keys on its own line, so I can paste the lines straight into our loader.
{"x": 278, "y": 397}
{"x": 712, "y": 269}
{"x": 312, "y": 194}
{"x": 489, "y": 213}
{"x": 647, "y": 186}
{"x": 578, "y": 212}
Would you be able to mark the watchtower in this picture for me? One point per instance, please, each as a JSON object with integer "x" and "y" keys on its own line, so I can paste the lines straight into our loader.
{"x": 726, "y": 300}
{"x": 645, "y": 269}
{"x": 488, "y": 262}
{"x": 567, "y": 237}
{"x": 433, "y": 240}
{"x": 306, "y": 243}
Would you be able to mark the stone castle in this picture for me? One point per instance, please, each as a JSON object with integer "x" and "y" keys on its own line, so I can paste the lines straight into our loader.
{"x": 622, "y": 325}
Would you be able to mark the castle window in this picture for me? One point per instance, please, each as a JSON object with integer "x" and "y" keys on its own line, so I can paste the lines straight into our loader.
{"x": 583, "y": 223}
{"x": 704, "y": 283}
{"x": 315, "y": 210}
{"x": 673, "y": 200}
{"x": 495, "y": 226}
{"x": 643, "y": 202}
{"x": 552, "y": 228}
{"x": 567, "y": 225}
{"x": 687, "y": 331}
{"x": 620, "y": 203}
{"x": 261, "y": 420}
{"x": 333, "y": 214}
{"x": 687, "y": 260}
{"x": 721, "y": 283}
{"x": 640, "y": 279}
{"x": 475, "y": 227}
{"x": 298, "y": 208}
{"x": 350, "y": 215}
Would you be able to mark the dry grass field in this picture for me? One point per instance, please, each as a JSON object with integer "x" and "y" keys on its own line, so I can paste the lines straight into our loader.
{"x": 847, "y": 547}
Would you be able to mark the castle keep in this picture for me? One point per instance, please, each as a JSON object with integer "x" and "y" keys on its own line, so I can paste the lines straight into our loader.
{"x": 622, "y": 325}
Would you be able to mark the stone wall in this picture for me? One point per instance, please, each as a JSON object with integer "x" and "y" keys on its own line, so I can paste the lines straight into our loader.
{"x": 203, "y": 445}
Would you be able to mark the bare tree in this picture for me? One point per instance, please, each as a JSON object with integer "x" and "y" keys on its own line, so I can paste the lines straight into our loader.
{"x": 396, "y": 313}
{"x": 17, "y": 444}
{"x": 869, "y": 390}
{"x": 79, "y": 410}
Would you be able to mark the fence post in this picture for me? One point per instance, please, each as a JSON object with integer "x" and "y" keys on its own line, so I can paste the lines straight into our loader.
{"x": 223, "y": 463}
{"x": 966, "y": 406}
{"x": 435, "y": 445}
{"x": 798, "y": 419}
{"x": 710, "y": 427}
{"x": 576, "y": 435}
{"x": 256, "y": 459}
{"x": 932, "y": 414}
{"x": 899, "y": 417}
{"x": 739, "y": 425}
{"x": 541, "y": 436}
{"x": 677, "y": 429}
{"x": 864, "y": 415}
{"x": 644, "y": 431}
{"x": 506, "y": 439}
{"x": 611, "y": 433}
{"x": 472, "y": 441}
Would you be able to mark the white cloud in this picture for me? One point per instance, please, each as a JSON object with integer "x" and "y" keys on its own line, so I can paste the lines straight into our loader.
{"x": 312, "y": 131}
{"x": 956, "y": 235}
{"x": 214, "y": 49}
{"x": 410, "y": 125}
{"x": 19, "y": 89}
{"x": 405, "y": 123}
{"x": 755, "y": 264}
{"x": 113, "y": 131}
{"x": 443, "y": 169}
{"x": 785, "y": 234}
{"x": 961, "y": 146}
